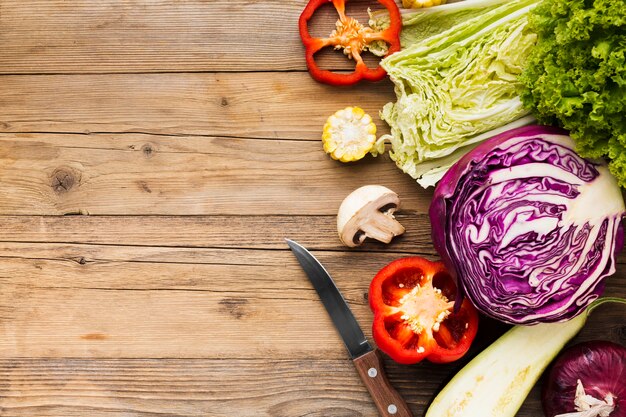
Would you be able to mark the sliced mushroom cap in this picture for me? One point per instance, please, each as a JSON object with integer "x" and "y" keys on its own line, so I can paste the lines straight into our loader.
{"x": 368, "y": 212}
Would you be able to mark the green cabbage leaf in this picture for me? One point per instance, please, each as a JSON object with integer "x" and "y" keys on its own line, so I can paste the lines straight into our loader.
{"x": 456, "y": 82}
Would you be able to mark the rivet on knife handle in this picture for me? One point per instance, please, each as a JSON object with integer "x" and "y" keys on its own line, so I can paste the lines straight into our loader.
{"x": 387, "y": 399}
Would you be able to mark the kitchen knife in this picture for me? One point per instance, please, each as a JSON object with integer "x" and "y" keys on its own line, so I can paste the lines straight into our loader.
{"x": 367, "y": 360}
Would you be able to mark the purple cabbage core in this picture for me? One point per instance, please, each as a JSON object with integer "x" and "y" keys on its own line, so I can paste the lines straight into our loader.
{"x": 509, "y": 220}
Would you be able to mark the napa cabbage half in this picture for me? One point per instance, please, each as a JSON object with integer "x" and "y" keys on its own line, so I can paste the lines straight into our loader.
{"x": 456, "y": 82}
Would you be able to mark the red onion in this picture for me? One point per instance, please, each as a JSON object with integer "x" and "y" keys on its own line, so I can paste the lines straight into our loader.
{"x": 587, "y": 380}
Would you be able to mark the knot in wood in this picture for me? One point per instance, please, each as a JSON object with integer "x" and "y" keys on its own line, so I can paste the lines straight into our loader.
{"x": 234, "y": 306}
{"x": 147, "y": 150}
{"x": 62, "y": 180}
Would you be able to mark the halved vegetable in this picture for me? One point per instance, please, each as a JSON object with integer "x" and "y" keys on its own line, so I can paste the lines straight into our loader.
{"x": 496, "y": 382}
{"x": 530, "y": 228}
{"x": 349, "y": 134}
{"x": 413, "y": 317}
{"x": 353, "y": 38}
{"x": 456, "y": 82}
{"x": 367, "y": 212}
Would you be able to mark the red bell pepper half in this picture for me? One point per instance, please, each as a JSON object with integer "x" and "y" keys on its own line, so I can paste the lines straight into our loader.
{"x": 353, "y": 38}
{"x": 413, "y": 302}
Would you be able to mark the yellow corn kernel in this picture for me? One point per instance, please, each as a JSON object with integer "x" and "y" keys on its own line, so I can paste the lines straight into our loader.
{"x": 418, "y": 4}
{"x": 349, "y": 134}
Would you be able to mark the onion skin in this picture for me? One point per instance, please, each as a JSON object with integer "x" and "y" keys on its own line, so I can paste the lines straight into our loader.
{"x": 601, "y": 367}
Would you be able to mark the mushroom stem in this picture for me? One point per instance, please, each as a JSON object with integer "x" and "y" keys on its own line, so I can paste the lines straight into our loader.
{"x": 382, "y": 227}
{"x": 368, "y": 212}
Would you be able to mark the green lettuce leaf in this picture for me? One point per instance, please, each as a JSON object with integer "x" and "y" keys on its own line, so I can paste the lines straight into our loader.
{"x": 576, "y": 76}
{"x": 455, "y": 81}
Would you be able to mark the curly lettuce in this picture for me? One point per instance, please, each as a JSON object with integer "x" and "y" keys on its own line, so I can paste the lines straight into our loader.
{"x": 456, "y": 80}
{"x": 576, "y": 76}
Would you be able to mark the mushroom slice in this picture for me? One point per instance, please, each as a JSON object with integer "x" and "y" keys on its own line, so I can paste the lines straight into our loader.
{"x": 368, "y": 212}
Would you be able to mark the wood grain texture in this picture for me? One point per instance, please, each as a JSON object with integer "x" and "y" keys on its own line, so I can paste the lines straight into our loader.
{"x": 129, "y": 174}
{"x": 225, "y": 232}
{"x": 182, "y": 387}
{"x": 189, "y": 130}
{"x": 148, "y": 387}
{"x": 172, "y": 302}
{"x": 201, "y": 387}
{"x": 155, "y": 302}
{"x": 158, "y": 36}
{"x": 260, "y": 105}
{"x": 317, "y": 232}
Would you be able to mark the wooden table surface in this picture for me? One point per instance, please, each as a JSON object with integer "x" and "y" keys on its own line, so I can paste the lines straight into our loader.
{"x": 153, "y": 156}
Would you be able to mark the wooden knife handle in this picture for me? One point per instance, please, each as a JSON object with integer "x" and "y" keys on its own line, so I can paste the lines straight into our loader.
{"x": 387, "y": 399}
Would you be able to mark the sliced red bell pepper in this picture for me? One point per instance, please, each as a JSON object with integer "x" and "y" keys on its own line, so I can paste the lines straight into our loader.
{"x": 353, "y": 38}
{"x": 414, "y": 319}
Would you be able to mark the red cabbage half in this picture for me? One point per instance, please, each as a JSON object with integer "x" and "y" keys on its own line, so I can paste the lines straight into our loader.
{"x": 529, "y": 228}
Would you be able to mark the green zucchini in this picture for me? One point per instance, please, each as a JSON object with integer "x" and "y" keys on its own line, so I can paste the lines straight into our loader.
{"x": 496, "y": 382}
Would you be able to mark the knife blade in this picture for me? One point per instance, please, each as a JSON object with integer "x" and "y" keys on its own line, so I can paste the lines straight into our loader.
{"x": 366, "y": 359}
{"x": 335, "y": 304}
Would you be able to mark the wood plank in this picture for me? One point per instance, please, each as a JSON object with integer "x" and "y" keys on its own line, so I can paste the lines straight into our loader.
{"x": 270, "y": 105}
{"x": 133, "y": 302}
{"x": 242, "y": 388}
{"x": 171, "y": 302}
{"x": 160, "y": 36}
{"x": 138, "y": 174}
{"x": 234, "y": 387}
{"x": 247, "y": 232}
{"x": 251, "y": 232}
{"x": 149, "y": 387}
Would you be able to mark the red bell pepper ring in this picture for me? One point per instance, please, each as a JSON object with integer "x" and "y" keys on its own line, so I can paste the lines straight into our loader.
{"x": 353, "y": 38}
{"x": 414, "y": 317}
